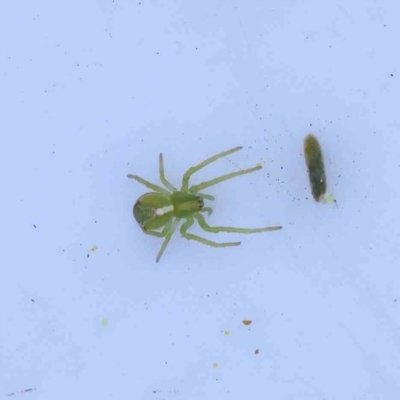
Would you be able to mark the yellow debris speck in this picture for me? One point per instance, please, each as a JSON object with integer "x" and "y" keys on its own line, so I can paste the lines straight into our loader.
{"x": 227, "y": 333}
{"x": 104, "y": 321}
{"x": 247, "y": 321}
{"x": 93, "y": 248}
{"x": 215, "y": 365}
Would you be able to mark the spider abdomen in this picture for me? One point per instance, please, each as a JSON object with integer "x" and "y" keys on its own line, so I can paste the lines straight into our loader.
{"x": 153, "y": 210}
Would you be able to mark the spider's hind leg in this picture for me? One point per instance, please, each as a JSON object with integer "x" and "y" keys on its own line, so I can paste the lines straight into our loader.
{"x": 163, "y": 179}
{"x": 148, "y": 184}
{"x": 167, "y": 232}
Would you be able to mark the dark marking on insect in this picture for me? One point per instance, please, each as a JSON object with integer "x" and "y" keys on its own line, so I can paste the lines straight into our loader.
{"x": 316, "y": 169}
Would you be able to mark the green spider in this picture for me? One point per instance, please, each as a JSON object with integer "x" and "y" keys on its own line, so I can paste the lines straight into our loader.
{"x": 165, "y": 208}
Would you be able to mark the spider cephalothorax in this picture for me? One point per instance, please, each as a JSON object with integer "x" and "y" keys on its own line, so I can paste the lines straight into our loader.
{"x": 164, "y": 208}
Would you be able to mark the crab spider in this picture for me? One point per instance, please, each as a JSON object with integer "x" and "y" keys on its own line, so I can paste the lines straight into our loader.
{"x": 158, "y": 213}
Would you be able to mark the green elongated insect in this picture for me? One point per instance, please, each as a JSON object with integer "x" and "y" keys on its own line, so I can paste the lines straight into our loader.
{"x": 158, "y": 213}
{"x": 316, "y": 168}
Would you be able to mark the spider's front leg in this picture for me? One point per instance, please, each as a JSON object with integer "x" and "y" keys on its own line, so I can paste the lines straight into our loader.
{"x": 189, "y": 222}
{"x": 215, "y": 181}
{"x": 218, "y": 229}
{"x": 192, "y": 170}
{"x": 208, "y": 210}
{"x": 206, "y": 196}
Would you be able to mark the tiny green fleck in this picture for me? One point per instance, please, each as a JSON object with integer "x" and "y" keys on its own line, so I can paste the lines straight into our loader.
{"x": 227, "y": 333}
{"x": 316, "y": 169}
{"x": 104, "y": 321}
{"x": 93, "y": 248}
{"x": 215, "y": 365}
{"x": 328, "y": 199}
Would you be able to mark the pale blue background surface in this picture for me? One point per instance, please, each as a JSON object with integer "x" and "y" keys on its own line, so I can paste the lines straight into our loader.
{"x": 94, "y": 90}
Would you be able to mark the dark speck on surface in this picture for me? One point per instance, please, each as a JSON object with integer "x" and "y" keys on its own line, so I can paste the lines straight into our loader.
{"x": 22, "y": 391}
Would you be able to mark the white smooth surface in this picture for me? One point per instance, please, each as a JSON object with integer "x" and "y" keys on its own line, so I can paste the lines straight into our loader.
{"x": 94, "y": 90}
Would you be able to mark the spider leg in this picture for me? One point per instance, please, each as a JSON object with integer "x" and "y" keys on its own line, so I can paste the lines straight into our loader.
{"x": 157, "y": 233}
{"x": 223, "y": 178}
{"x": 189, "y": 222}
{"x": 192, "y": 170}
{"x": 208, "y": 210}
{"x": 206, "y": 196}
{"x": 217, "y": 229}
{"x": 148, "y": 184}
{"x": 167, "y": 184}
{"x": 168, "y": 235}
